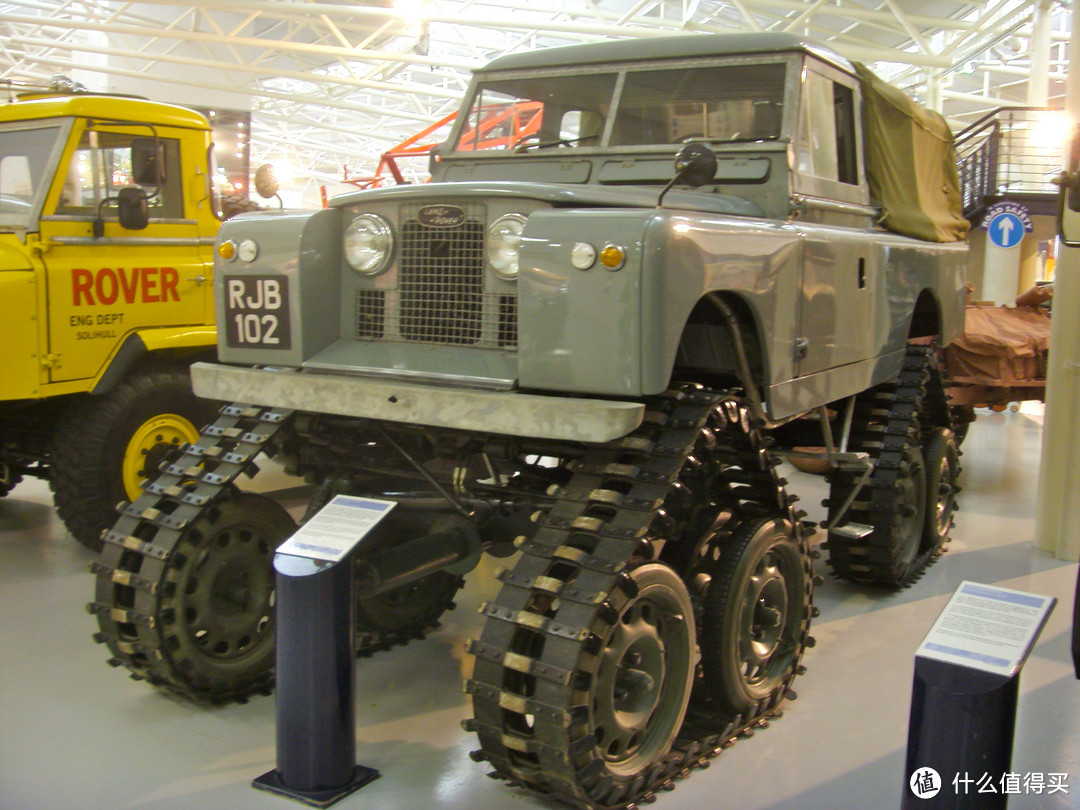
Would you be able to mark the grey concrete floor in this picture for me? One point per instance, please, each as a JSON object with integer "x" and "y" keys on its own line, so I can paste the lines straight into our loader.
{"x": 75, "y": 733}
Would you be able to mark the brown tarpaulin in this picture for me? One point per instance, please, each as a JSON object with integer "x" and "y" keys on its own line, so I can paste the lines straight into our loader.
{"x": 1000, "y": 344}
{"x": 910, "y": 163}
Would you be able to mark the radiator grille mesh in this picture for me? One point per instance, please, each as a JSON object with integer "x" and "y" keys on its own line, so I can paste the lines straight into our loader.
{"x": 440, "y": 296}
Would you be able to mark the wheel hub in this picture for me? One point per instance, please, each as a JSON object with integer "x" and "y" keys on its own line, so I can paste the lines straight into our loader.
{"x": 765, "y": 612}
{"x": 229, "y": 590}
{"x": 148, "y": 445}
{"x": 644, "y": 672}
{"x": 943, "y": 501}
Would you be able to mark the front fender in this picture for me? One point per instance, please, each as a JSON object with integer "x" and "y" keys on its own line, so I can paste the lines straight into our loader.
{"x": 581, "y": 330}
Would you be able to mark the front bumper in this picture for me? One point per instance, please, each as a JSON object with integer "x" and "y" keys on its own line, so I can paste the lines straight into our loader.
{"x": 499, "y": 412}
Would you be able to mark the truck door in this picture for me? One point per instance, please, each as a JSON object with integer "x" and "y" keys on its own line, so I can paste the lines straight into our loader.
{"x": 840, "y": 264}
{"x": 100, "y": 289}
{"x": 838, "y": 295}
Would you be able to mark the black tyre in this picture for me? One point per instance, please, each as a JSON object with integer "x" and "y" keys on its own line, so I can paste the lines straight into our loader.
{"x": 896, "y": 507}
{"x": 884, "y": 541}
{"x": 216, "y": 609}
{"x": 942, "y": 458}
{"x": 962, "y": 416}
{"x": 643, "y": 675}
{"x": 756, "y": 617}
{"x": 108, "y": 444}
{"x": 407, "y": 612}
{"x": 9, "y": 483}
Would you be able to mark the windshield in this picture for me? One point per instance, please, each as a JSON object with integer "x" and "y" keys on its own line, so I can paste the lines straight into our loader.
{"x": 733, "y": 102}
{"x": 26, "y": 170}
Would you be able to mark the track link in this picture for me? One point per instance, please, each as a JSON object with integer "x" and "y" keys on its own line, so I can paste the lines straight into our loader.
{"x": 891, "y": 418}
{"x": 530, "y": 683}
{"x": 133, "y": 568}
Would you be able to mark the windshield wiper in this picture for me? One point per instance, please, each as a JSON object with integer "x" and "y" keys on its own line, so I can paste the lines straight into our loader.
{"x": 525, "y": 144}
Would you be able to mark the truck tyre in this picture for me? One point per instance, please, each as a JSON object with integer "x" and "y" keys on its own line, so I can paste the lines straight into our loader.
{"x": 942, "y": 458}
{"x": 9, "y": 483}
{"x": 756, "y": 616}
{"x": 109, "y": 443}
{"x": 586, "y": 677}
{"x": 405, "y": 613}
{"x": 646, "y": 665}
{"x": 889, "y": 424}
{"x": 216, "y": 602}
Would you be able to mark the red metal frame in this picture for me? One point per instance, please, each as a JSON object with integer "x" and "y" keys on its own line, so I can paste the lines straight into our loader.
{"x": 524, "y": 121}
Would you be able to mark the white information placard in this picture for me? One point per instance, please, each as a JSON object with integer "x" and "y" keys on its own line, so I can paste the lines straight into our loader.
{"x": 988, "y": 628}
{"x": 337, "y": 528}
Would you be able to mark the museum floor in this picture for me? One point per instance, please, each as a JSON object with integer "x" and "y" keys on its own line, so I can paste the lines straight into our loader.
{"x": 75, "y": 733}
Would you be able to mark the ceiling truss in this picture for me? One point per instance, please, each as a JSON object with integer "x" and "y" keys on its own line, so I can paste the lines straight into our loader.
{"x": 333, "y": 84}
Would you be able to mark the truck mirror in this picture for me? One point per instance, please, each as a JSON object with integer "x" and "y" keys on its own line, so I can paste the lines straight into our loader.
{"x": 132, "y": 209}
{"x": 695, "y": 164}
{"x": 148, "y": 162}
{"x": 266, "y": 182}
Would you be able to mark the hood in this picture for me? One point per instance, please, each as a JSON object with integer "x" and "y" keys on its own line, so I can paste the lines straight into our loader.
{"x": 560, "y": 196}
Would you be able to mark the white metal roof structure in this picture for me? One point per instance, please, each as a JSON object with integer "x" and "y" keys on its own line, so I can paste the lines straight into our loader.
{"x": 331, "y": 84}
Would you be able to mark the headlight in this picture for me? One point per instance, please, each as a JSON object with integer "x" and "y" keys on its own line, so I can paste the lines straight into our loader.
{"x": 369, "y": 243}
{"x": 504, "y": 244}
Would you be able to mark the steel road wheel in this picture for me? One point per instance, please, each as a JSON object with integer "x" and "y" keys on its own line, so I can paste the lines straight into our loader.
{"x": 147, "y": 447}
{"x": 218, "y": 621}
{"x": 645, "y": 673}
{"x": 942, "y": 459}
{"x": 756, "y": 615}
{"x": 911, "y": 505}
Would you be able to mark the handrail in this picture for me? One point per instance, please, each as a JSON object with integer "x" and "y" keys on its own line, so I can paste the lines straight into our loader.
{"x": 1001, "y": 154}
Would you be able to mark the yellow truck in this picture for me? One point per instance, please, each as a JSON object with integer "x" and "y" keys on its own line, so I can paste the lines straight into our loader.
{"x": 108, "y": 214}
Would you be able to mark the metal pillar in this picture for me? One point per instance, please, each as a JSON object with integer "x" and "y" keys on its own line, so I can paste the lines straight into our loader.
{"x": 316, "y": 683}
{"x": 1057, "y": 516}
{"x": 1039, "y": 48}
{"x": 962, "y": 723}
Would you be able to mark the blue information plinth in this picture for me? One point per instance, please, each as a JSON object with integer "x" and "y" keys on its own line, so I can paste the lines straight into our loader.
{"x": 316, "y": 662}
{"x": 964, "y": 696}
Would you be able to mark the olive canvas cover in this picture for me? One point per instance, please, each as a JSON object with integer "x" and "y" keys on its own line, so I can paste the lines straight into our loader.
{"x": 910, "y": 163}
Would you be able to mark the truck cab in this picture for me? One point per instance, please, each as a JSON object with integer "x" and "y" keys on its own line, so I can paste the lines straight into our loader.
{"x": 107, "y": 223}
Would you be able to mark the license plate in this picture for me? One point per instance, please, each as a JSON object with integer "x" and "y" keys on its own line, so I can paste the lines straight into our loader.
{"x": 257, "y": 312}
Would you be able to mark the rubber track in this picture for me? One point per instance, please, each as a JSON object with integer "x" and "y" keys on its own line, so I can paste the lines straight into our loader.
{"x": 139, "y": 548}
{"x": 912, "y": 405}
{"x": 608, "y": 507}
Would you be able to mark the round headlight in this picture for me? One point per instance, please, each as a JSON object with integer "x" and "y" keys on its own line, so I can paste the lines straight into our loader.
{"x": 368, "y": 244}
{"x": 504, "y": 244}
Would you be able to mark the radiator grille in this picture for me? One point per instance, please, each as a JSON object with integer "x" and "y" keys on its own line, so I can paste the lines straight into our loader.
{"x": 370, "y": 314}
{"x": 442, "y": 282}
{"x": 439, "y": 296}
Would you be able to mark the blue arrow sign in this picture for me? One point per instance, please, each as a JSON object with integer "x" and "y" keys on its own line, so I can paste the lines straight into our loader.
{"x": 1006, "y": 230}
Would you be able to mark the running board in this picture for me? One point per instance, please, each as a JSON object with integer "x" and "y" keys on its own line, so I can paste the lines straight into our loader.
{"x": 852, "y": 531}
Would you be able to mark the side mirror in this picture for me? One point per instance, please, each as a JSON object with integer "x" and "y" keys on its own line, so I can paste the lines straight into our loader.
{"x": 148, "y": 162}
{"x": 266, "y": 182}
{"x": 131, "y": 208}
{"x": 695, "y": 165}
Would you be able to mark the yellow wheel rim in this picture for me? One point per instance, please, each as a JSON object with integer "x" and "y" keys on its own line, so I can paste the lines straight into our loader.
{"x": 147, "y": 444}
